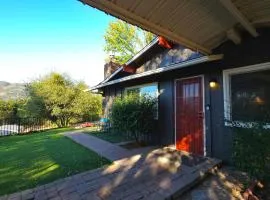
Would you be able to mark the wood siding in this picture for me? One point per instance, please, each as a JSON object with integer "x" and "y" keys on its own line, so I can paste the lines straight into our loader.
{"x": 167, "y": 57}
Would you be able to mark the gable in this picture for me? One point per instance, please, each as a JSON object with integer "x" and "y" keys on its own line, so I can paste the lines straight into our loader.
{"x": 166, "y": 57}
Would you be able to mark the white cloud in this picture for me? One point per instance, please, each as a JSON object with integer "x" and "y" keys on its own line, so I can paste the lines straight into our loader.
{"x": 79, "y": 65}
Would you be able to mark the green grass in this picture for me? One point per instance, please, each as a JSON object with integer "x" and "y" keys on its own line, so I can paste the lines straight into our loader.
{"x": 108, "y": 136}
{"x": 31, "y": 160}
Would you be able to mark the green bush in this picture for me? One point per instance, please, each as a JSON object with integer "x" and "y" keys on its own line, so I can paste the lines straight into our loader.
{"x": 251, "y": 152}
{"x": 134, "y": 115}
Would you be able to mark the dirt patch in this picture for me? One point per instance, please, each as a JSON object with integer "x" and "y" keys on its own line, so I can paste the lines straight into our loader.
{"x": 223, "y": 184}
{"x": 263, "y": 193}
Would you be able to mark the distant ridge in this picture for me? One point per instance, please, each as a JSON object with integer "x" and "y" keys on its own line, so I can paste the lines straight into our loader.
{"x": 12, "y": 90}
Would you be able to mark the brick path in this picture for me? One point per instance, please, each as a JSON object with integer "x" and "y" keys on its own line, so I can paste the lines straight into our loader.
{"x": 157, "y": 175}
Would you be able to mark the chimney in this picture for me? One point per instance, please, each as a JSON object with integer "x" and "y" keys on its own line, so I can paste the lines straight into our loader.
{"x": 110, "y": 66}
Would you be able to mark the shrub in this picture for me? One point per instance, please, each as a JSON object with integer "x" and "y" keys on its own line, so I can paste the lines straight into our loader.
{"x": 134, "y": 115}
{"x": 251, "y": 150}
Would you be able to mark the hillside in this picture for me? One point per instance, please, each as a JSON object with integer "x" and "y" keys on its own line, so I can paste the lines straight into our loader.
{"x": 11, "y": 90}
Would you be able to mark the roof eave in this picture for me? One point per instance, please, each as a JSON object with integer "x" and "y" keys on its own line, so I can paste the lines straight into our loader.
{"x": 161, "y": 70}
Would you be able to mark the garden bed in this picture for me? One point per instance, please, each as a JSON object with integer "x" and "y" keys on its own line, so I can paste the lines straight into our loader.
{"x": 109, "y": 136}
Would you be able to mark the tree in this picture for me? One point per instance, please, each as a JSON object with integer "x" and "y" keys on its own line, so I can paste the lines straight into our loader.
{"x": 11, "y": 109}
{"x": 125, "y": 40}
{"x": 60, "y": 99}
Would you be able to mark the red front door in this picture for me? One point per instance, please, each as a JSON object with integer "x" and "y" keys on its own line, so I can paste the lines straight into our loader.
{"x": 189, "y": 115}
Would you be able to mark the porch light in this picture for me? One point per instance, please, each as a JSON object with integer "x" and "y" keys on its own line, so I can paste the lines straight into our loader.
{"x": 213, "y": 83}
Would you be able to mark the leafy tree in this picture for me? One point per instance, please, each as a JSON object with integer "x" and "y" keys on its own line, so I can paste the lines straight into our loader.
{"x": 125, "y": 40}
{"x": 11, "y": 109}
{"x": 58, "y": 98}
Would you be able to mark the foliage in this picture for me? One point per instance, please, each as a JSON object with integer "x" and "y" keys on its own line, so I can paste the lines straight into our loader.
{"x": 58, "y": 98}
{"x": 110, "y": 136}
{"x": 12, "y": 108}
{"x": 134, "y": 114}
{"x": 125, "y": 40}
{"x": 251, "y": 152}
{"x": 30, "y": 160}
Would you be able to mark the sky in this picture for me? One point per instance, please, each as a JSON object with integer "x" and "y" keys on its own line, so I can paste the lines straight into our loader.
{"x": 38, "y": 37}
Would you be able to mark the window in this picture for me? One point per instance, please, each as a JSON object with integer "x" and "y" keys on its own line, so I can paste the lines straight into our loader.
{"x": 247, "y": 93}
{"x": 148, "y": 90}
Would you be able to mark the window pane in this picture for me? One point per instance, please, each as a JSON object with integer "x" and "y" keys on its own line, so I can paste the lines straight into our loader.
{"x": 250, "y": 96}
{"x": 133, "y": 91}
{"x": 150, "y": 90}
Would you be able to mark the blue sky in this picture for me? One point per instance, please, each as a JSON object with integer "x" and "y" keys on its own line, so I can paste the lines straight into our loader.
{"x": 37, "y": 37}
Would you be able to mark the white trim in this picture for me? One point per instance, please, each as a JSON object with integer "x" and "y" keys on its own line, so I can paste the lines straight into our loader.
{"x": 141, "y": 85}
{"x": 143, "y": 50}
{"x": 163, "y": 69}
{"x": 238, "y": 15}
{"x": 203, "y": 110}
{"x": 227, "y": 84}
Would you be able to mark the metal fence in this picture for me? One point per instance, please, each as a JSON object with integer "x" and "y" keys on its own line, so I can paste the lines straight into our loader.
{"x": 17, "y": 126}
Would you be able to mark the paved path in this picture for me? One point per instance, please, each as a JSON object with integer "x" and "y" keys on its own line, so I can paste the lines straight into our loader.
{"x": 106, "y": 149}
{"x": 155, "y": 176}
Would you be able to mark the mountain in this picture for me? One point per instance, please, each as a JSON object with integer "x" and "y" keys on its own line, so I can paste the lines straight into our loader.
{"x": 12, "y": 90}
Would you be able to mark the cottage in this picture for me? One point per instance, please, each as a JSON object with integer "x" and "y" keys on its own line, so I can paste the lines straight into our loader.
{"x": 213, "y": 68}
{"x": 197, "y": 94}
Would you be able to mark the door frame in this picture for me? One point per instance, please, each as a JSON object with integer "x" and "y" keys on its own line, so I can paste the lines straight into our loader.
{"x": 203, "y": 106}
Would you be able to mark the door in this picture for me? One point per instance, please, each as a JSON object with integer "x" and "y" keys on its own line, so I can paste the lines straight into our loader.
{"x": 189, "y": 115}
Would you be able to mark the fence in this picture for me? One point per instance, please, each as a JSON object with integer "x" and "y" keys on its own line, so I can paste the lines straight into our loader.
{"x": 17, "y": 126}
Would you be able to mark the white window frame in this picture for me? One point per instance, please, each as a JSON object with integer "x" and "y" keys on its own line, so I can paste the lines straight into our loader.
{"x": 145, "y": 85}
{"x": 227, "y": 88}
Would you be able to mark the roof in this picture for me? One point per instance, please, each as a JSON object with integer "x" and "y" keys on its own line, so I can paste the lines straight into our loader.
{"x": 161, "y": 70}
{"x": 140, "y": 53}
{"x": 198, "y": 25}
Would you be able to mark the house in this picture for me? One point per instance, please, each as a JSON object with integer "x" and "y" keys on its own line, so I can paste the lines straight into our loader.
{"x": 197, "y": 93}
{"x": 219, "y": 73}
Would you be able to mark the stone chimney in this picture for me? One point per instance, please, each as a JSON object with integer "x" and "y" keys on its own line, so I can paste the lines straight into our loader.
{"x": 110, "y": 66}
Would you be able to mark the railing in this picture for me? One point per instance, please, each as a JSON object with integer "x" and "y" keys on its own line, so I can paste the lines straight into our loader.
{"x": 15, "y": 126}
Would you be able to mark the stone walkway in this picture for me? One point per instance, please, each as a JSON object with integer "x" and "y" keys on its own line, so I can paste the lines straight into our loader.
{"x": 106, "y": 149}
{"x": 160, "y": 174}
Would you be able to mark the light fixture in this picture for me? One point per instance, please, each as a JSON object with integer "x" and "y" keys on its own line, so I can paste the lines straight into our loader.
{"x": 213, "y": 83}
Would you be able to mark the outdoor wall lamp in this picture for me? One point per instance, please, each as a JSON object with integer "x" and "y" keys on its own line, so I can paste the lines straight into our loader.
{"x": 213, "y": 83}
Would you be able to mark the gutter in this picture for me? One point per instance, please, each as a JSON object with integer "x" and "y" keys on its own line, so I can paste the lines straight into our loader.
{"x": 163, "y": 69}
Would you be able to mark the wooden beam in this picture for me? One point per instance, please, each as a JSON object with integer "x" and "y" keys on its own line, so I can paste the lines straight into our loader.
{"x": 234, "y": 35}
{"x": 156, "y": 8}
{"x": 133, "y": 18}
{"x": 239, "y": 17}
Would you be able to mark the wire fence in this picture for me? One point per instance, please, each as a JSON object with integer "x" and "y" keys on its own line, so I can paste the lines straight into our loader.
{"x": 16, "y": 126}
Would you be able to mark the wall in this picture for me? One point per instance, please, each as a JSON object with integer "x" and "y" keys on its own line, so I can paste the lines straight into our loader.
{"x": 109, "y": 94}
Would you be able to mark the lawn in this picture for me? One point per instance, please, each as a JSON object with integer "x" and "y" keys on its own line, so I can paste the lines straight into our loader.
{"x": 111, "y": 136}
{"x": 31, "y": 160}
